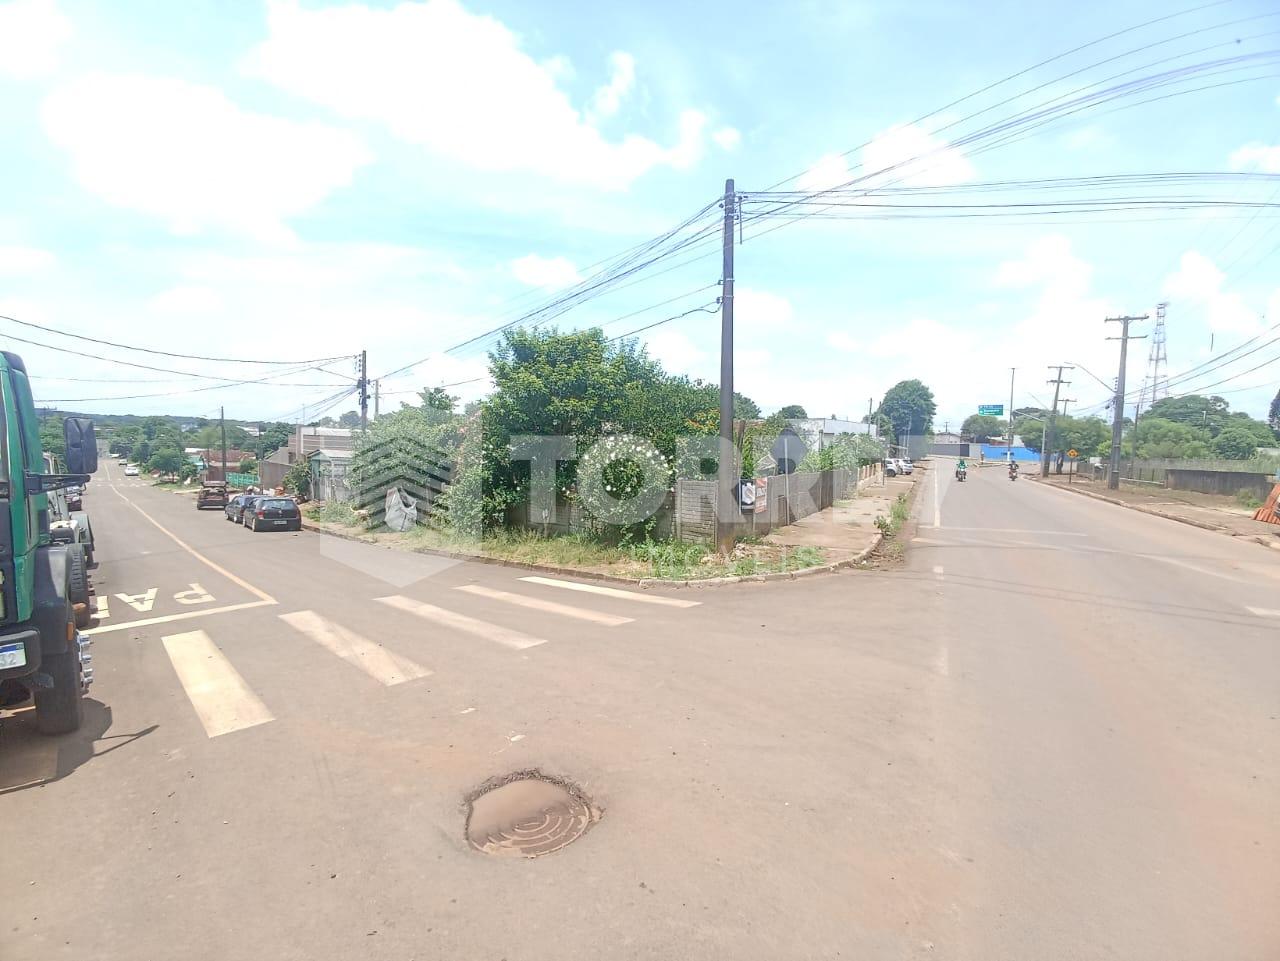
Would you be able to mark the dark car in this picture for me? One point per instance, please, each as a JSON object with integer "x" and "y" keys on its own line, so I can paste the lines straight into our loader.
{"x": 212, "y": 494}
{"x": 235, "y": 507}
{"x": 266, "y": 513}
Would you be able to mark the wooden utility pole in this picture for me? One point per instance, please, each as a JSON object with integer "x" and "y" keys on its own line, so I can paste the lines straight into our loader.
{"x": 1117, "y": 413}
{"x": 724, "y": 472}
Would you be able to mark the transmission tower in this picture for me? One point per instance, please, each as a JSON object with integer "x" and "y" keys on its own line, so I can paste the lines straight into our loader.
{"x": 1155, "y": 385}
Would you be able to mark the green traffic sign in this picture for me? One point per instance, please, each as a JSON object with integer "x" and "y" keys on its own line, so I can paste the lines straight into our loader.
{"x": 991, "y": 410}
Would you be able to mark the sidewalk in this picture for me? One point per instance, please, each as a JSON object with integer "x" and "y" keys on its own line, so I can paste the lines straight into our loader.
{"x": 1206, "y": 511}
{"x": 846, "y": 530}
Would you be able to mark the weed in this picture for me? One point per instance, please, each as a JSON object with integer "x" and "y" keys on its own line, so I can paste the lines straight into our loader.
{"x": 884, "y": 525}
{"x": 336, "y": 512}
{"x": 1248, "y": 500}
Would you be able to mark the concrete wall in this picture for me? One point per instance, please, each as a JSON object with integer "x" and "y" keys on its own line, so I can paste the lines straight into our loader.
{"x": 950, "y": 450}
{"x": 788, "y": 498}
{"x": 1219, "y": 482}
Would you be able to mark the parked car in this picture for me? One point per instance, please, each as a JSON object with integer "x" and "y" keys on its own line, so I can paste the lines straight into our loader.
{"x": 890, "y": 467}
{"x": 130, "y": 470}
{"x": 234, "y": 510}
{"x": 265, "y": 513}
{"x": 905, "y": 465}
{"x": 212, "y": 494}
{"x": 75, "y": 495}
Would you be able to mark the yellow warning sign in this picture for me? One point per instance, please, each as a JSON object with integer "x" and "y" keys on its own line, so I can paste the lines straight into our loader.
{"x": 1073, "y": 453}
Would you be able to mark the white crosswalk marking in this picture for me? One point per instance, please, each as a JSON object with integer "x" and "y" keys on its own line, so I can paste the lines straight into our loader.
{"x": 551, "y": 607}
{"x": 460, "y": 622}
{"x": 220, "y": 696}
{"x": 382, "y": 665}
{"x": 612, "y": 592}
{"x": 1263, "y": 611}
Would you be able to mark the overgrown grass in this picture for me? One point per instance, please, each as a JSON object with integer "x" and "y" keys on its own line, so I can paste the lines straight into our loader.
{"x": 336, "y": 512}
{"x": 1248, "y": 500}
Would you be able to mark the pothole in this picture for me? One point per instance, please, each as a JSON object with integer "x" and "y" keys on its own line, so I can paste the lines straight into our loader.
{"x": 527, "y": 814}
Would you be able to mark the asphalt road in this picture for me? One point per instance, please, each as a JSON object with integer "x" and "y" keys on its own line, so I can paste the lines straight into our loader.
{"x": 1050, "y": 736}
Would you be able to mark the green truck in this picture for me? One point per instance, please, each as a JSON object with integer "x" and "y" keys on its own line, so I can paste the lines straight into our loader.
{"x": 44, "y": 582}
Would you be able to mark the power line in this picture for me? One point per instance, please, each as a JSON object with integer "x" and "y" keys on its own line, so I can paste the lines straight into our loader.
{"x": 164, "y": 353}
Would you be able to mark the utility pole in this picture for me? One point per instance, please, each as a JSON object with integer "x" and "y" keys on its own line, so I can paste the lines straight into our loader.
{"x": 1009, "y": 442}
{"x": 1053, "y": 418}
{"x": 1117, "y": 413}
{"x": 377, "y": 392}
{"x": 222, "y": 419}
{"x": 724, "y": 472}
{"x": 364, "y": 391}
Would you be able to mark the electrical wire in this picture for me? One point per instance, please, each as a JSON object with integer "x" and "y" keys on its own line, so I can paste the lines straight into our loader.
{"x": 706, "y": 308}
{"x": 164, "y": 353}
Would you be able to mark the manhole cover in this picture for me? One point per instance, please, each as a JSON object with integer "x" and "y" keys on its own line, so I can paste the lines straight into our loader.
{"x": 527, "y": 815}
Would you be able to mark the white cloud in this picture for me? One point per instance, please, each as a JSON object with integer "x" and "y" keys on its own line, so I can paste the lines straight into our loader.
{"x": 1257, "y": 156}
{"x": 186, "y": 300}
{"x": 923, "y": 337}
{"x": 16, "y": 261}
{"x": 187, "y": 154}
{"x": 608, "y": 99}
{"x": 1198, "y": 282}
{"x": 843, "y": 342}
{"x": 830, "y": 171}
{"x": 31, "y": 35}
{"x": 677, "y": 352}
{"x": 937, "y": 166}
{"x": 551, "y": 273}
{"x": 459, "y": 85}
{"x": 759, "y": 313}
{"x": 1050, "y": 263}
{"x": 727, "y": 138}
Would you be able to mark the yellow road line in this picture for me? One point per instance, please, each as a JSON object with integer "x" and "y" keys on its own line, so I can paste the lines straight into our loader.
{"x": 612, "y": 592}
{"x": 384, "y": 666}
{"x": 551, "y": 607}
{"x": 460, "y": 622}
{"x": 220, "y": 696}
{"x": 262, "y": 595}
{"x": 183, "y": 616}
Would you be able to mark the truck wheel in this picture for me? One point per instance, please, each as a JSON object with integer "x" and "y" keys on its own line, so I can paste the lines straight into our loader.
{"x": 78, "y": 584}
{"x": 60, "y": 709}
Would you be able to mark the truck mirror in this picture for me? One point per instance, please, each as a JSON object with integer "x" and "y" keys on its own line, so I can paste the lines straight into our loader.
{"x": 82, "y": 446}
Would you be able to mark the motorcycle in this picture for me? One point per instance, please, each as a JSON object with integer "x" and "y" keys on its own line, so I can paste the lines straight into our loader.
{"x": 960, "y": 472}
{"x": 1013, "y": 473}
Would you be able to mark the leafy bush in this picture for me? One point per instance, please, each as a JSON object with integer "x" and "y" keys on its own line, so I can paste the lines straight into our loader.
{"x": 336, "y": 512}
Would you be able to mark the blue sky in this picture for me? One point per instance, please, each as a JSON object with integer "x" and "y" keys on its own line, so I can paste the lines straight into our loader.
{"x": 301, "y": 179}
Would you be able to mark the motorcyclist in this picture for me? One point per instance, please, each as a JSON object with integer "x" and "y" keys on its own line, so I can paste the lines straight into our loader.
{"x": 1013, "y": 468}
{"x": 961, "y": 467}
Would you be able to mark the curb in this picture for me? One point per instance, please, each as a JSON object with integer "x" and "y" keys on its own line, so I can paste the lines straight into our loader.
{"x": 642, "y": 582}
{"x": 1203, "y": 525}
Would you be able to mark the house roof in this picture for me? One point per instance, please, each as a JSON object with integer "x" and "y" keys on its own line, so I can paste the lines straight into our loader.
{"x": 331, "y": 454}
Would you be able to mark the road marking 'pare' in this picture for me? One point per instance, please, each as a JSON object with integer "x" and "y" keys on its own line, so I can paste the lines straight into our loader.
{"x": 220, "y": 696}
{"x": 384, "y": 666}
{"x": 167, "y": 618}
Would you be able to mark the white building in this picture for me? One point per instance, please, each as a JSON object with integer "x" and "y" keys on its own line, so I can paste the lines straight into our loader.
{"x": 820, "y": 432}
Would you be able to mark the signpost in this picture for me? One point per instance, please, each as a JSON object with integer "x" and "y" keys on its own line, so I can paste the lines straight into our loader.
{"x": 1073, "y": 454}
{"x": 991, "y": 410}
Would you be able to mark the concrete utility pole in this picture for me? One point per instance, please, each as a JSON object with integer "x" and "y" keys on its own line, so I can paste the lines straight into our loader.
{"x": 364, "y": 391}
{"x": 1053, "y": 418}
{"x": 1009, "y": 443}
{"x": 222, "y": 419}
{"x": 377, "y": 400}
{"x": 724, "y": 471}
{"x": 1117, "y": 418}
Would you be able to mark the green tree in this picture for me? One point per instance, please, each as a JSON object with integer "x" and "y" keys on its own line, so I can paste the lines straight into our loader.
{"x": 744, "y": 408}
{"x": 1241, "y": 441}
{"x": 52, "y": 440}
{"x": 1158, "y": 437}
{"x": 909, "y": 407}
{"x": 248, "y": 465}
{"x": 275, "y": 436}
{"x": 793, "y": 412}
{"x": 437, "y": 398}
{"x": 297, "y": 479}
{"x": 1195, "y": 410}
{"x": 166, "y": 460}
{"x": 1273, "y": 414}
{"x": 350, "y": 420}
{"x": 982, "y": 427}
